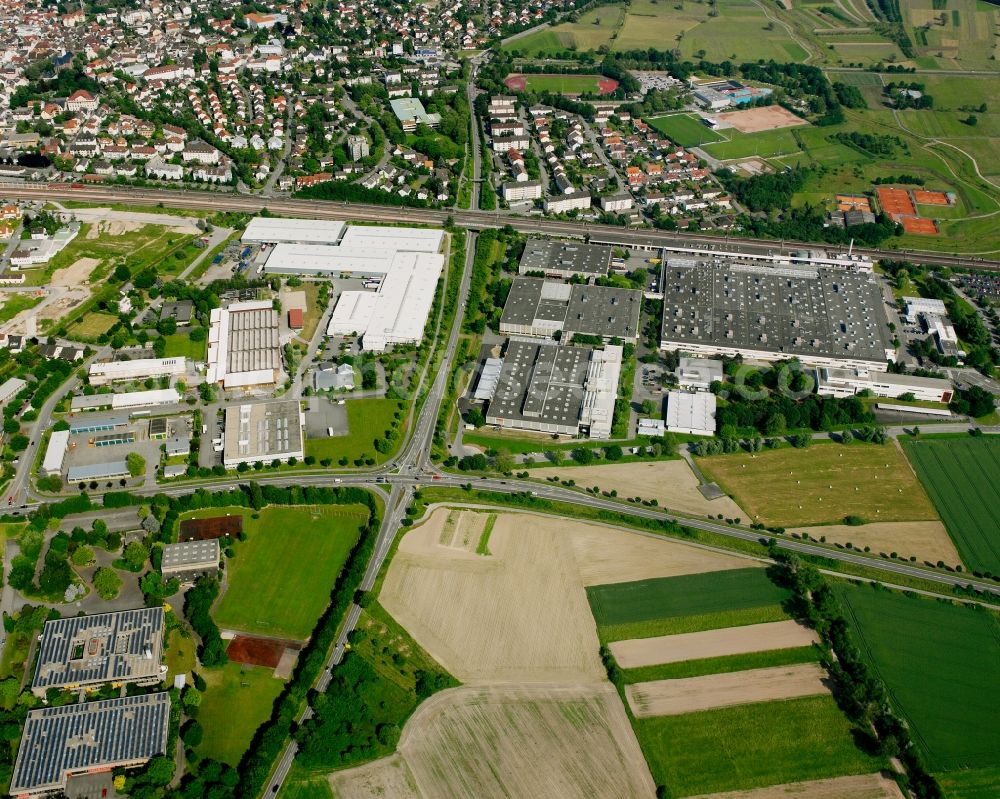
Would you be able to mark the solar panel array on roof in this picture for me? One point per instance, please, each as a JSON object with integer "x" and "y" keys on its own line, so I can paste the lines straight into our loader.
{"x": 92, "y": 650}
{"x": 71, "y": 739}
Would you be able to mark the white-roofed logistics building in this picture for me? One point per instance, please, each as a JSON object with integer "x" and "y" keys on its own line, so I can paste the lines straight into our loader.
{"x": 55, "y": 453}
{"x": 272, "y": 230}
{"x": 139, "y": 369}
{"x": 263, "y": 432}
{"x": 130, "y": 399}
{"x": 691, "y": 413}
{"x": 243, "y": 346}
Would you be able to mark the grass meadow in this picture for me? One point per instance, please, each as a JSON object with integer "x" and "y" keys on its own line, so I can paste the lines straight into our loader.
{"x": 941, "y": 664}
{"x": 751, "y": 746}
{"x": 367, "y": 419}
{"x": 238, "y": 700}
{"x": 92, "y": 325}
{"x": 822, "y": 484}
{"x": 961, "y": 476}
{"x": 281, "y": 578}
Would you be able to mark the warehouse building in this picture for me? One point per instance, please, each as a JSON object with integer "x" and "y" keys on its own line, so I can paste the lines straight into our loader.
{"x": 272, "y": 230}
{"x": 189, "y": 560}
{"x": 10, "y": 389}
{"x": 848, "y": 382}
{"x": 550, "y": 388}
{"x": 90, "y": 651}
{"x": 108, "y": 470}
{"x": 823, "y": 316}
{"x": 691, "y": 413}
{"x": 140, "y": 369}
{"x": 564, "y": 259}
{"x": 263, "y": 432}
{"x": 915, "y": 306}
{"x": 55, "y": 453}
{"x": 131, "y": 399}
{"x": 698, "y": 373}
{"x": 244, "y": 350}
{"x": 61, "y": 742}
{"x": 543, "y": 308}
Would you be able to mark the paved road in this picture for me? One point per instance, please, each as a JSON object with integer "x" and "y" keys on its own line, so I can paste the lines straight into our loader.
{"x": 471, "y": 219}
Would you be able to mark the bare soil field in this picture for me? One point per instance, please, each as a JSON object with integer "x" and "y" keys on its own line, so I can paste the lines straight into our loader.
{"x": 671, "y": 483}
{"x": 521, "y": 613}
{"x": 115, "y": 223}
{"x": 927, "y": 540}
{"x": 638, "y": 652}
{"x": 691, "y": 694}
{"x": 543, "y": 740}
{"x": 754, "y": 120}
{"x": 76, "y": 274}
{"x": 862, "y": 786}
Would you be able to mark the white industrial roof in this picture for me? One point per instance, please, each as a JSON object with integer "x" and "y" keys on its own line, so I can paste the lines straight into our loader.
{"x": 271, "y": 229}
{"x": 407, "y": 239}
{"x": 319, "y": 258}
{"x": 55, "y": 452}
{"x": 151, "y": 366}
{"x": 691, "y": 413}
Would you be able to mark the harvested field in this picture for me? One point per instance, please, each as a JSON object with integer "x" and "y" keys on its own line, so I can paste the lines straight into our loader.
{"x": 671, "y": 483}
{"x": 256, "y": 651}
{"x": 75, "y": 274}
{"x": 675, "y": 697}
{"x": 862, "y": 786}
{"x": 520, "y": 613}
{"x": 638, "y": 652}
{"x": 754, "y": 120}
{"x": 552, "y": 741}
{"x": 926, "y": 540}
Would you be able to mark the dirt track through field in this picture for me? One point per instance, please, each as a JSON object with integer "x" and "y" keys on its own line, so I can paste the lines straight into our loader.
{"x": 520, "y": 614}
{"x": 927, "y": 540}
{"x": 556, "y": 741}
{"x": 691, "y": 694}
{"x": 671, "y": 483}
{"x": 862, "y": 786}
{"x": 638, "y": 652}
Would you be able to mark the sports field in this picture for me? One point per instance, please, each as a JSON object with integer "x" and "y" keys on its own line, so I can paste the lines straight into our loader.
{"x": 689, "y": 595}
{"x": 766, "y": 144}
{"x": 961, "y": 476}
{"x": 822, "y": 484}
{"x": 561, "y": 84}
{"x": 941, "y": 664}
{"x": 281, "y": 578}
{"x": 238, "y": 700}
{"x": 686, "y": 130}
{"x": 750, "y": 746}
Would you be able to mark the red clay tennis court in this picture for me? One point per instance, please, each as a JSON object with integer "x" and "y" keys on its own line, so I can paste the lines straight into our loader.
{"x": 930, "y": 197}
{"x": 924, "y": 227}
{"x": 896, "y": 202}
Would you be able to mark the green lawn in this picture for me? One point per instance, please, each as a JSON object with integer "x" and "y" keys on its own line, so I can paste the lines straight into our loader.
{"x": 367, "y": 419}
{"x": 962, "y": 477}
{"x": 238, "y": 700}
{"x": 941, "y": 664}
{"x": 281, "y": 578}
{"x": 689, "y": 595}
{"x": 13, "y": 304}
{"x": 751, "y": 746}
{"x": 92, "y": 325}
{"x": 562, "y": 84}
{"x": 179, "y": 656}
{"x": 180, "y": 345}
{"x": 686, "y": 130}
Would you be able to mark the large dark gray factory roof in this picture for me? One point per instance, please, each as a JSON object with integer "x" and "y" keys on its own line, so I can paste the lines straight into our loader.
{"x": 107, "y": 647}
{"x": 541, "y": 382}
{"x": 546, "y": 306}
{"x": 820, "y": 312}
{"x": 559, "y": 257}
{"x": 69, "y": 739}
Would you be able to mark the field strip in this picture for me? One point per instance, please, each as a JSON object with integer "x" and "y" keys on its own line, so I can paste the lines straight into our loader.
{"x": 691, "y": 694}
{"x": 637, "y": 652}
{"x": 927, "y": 540}
{"x": 862, "y": 786}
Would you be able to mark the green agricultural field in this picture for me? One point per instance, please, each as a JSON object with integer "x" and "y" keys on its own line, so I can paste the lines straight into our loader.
{"x": 822, "y": 484}
{"x": 751, "y": 746}
{"x": 305, "y": 787}
{"x": 562, "y": 84}
{"x": 725, "y": 664}
{"x": 975, "y": 784}
{"x": 941, "y": 664}
{"x": 686, "y": 130}
{"x": 711, "y": 592}
{"x": 238, "y": 700}
{"x": 593, "y": 29}
{"x": 367, "y": 419}
{"x": 961, "y": 477}
{"x": 280, "y": 580}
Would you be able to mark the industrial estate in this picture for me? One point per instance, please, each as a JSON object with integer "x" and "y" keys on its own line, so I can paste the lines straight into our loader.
{"x": 553, "y": 400}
